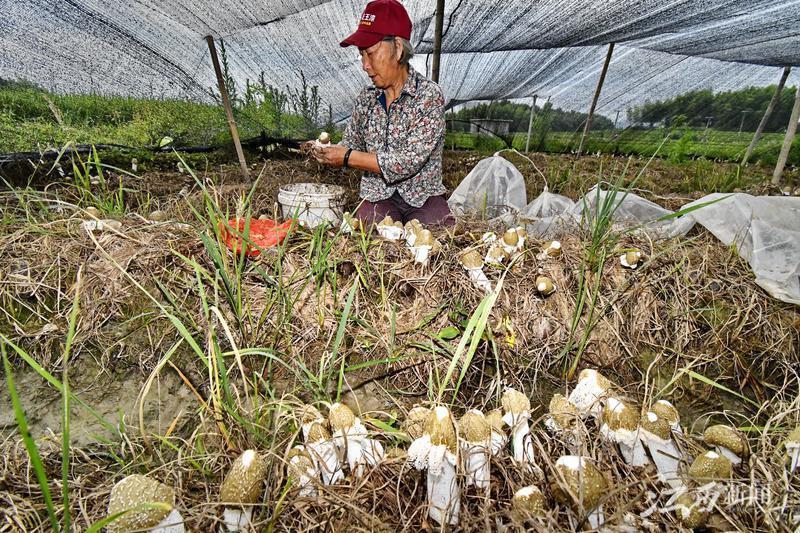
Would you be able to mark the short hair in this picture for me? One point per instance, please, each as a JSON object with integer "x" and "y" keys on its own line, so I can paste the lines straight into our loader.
{"x": 408, "y": 49}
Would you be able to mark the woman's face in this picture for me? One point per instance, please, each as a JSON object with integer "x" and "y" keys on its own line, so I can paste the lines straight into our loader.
{"x": 381, "y": 62}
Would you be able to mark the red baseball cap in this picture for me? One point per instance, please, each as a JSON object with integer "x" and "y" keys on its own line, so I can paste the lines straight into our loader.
{"x": 380, "y": 19}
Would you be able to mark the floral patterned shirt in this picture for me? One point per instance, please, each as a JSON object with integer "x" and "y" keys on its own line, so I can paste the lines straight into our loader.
{"x": 408, "y": 139}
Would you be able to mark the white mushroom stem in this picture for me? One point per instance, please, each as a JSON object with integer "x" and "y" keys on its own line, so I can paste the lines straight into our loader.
{"x": 498, "y": 443}
{"x": 172, "y": 523}
{"x": 325, "y": 458}
{"x": 479, "y": 279}
{"x": 634, "y": 455}
{"x": 421, "y": 253}
{"x": 521, "y": 442}
{"x": 238, "y": 519}
{"x": 392, "y": 233}
{"x": 793, "y": 450}
{"x": 444, "y": 503}
{"x": 360, "y": 451}
{"x": 666, "y": 457}
{"x": 477, "y": 464}
{"x": 305, "y": 483}
{"x": 729, "y": 455}
{"x": 596, "y": 518}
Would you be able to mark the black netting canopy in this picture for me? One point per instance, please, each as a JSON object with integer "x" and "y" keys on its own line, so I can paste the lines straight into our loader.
{"x": 491, "y": 50}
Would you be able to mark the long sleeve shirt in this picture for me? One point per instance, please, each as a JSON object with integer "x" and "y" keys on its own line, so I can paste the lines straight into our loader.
{"x": 408, "y": 138}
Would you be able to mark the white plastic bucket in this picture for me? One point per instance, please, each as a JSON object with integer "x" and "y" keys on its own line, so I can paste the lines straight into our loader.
{"x": 312, "y": 204}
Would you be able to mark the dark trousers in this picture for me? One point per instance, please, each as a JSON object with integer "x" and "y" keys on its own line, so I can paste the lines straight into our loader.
{"x": 434, "y": 211}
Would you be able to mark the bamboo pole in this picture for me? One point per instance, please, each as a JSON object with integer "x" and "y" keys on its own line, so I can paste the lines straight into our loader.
{"x": 228, "y": 110}
{"x": 437, "y": 40}
{"x": 767, "y": 114}
{"x": 530, "y": 124}
{"x": 596, "y": 97}
{"x": 788, "y": 138}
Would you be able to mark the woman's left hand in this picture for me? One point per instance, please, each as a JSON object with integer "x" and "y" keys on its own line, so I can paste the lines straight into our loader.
{"x": 330, "y": 155}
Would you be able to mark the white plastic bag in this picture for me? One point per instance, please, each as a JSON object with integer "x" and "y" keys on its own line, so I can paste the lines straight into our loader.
{"x": 548, "y": 216}
{"x": 493, "y": 188}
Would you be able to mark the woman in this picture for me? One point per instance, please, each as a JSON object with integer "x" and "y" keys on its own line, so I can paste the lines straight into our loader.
{"x": 396, "y": 131}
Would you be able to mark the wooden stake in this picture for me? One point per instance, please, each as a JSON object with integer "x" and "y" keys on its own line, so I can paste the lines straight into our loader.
{"x": 767, "y": 114}
{"x": 530, "y": 125}
{"x": 437, "y": 40}
{"x": 227, "y": 105}
{"x": 788, "y": 138}
{"x": 589, "y": 118}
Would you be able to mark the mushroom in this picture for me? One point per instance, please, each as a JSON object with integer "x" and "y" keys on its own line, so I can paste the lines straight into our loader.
{"x": 592, "y": 388}
{"x": 242, "y": 488}
{"x": 437, "y": 451}
{"x": 473, "y": 264}
{"x": 549, "y": 249}
{"x": 414, "y": 424}
{"x": 581, "y": 485}
{"x": 146, "y": 505}
{"x": 93, "y": 212}
{"x": 511, "y": 241}
{"x": 496, "y": 254}
{"x": 476, "y": 439}
{"x": 563, "y": 421}
{"x": 792, "y": 444}
{"x": 728, "y": 441}
{"x": 545, "y": 286}
{"x": 517, "y": 409}
{"x": 324, "y": 138}
{"x": 527, "y": 502}
{"x": 631, "y": 259}
{"x": 422, "y": 246}
{"x": 488, "y": 237}
{"x": 158, "y": 216}
{"x": 692, "y": 513}
{"x": 324, "y": 452}
{"x": 499, "y": 437}
{"x": 657, "y": 435}
{"x": 710, "y": 466}
{"x": 350, "y": 437}
{"x": 621, "y": 425}
{"x": 410, "y": 230}
{"x": 388, "y": 230}
{"x": 301, "y": 471}
{"x": 350, "y": 224}
{"x": 308, "y": 415}
{"x": 667, "y": 411}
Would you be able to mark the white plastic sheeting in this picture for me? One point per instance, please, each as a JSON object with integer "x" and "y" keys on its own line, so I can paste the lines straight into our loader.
{"x": 493, "y": 188}
{"x": 765, "y": 230}
{"x": 492, "y": 50}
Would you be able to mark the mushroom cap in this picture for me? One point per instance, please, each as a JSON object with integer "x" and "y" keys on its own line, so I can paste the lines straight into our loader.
{"x": 398, "y": 224}
{"x": 710, "y": 466}
{"x": 528, "y": 500}
{"x": 656, "y": 425}
{"x": 522, "y": 232}
{"x": 563, "y": 411}
{"x": 511, "y": 237}
{"x": 515, "y": 402}
{"x": 471, "y": 259}
{"x": 415, "y": 422}
{"x": 497, "y": 253}
{"x": 552, "y": 248}
{"x": 324, "y": 137}
{"x": 299, "y": 462}
{"x": 158, "y": 216}
{"x": 245, "y": 480}
{"x": 723, "y": 435}
{"x": 545, "y": 285}
{"x": 794, "y": 437}
{"x": 495, "y": 420}
{"x": 633, "y": 257}
{"x": 387, "y": 221}
{"x": 133, "y": 491}
{"x": 424, "y": 238}
{"x": 318, "y": 432}
{"x": 584, "y": 482}
{"x": 618, "y": 415}
{"x": 341, "y": 417}
{"x": 474, "y": 427}
{"x": 308, "y": 413}
{"x": 691, "y": 512}
{"x": 590, "y": 374}
{"x": 93, "y": 211}
{"x": 667, "y": 411}
{"x": 441, "y": 429}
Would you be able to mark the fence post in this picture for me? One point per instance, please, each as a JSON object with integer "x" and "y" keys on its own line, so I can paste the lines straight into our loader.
{"x": 437, "y": 40}
{"x": 589, "y": 117}
{"x": 788, "y": 138}
{"x": 767, "y": 114}
{"x": 530, "y": 125}
{"x": 223, "y": 92}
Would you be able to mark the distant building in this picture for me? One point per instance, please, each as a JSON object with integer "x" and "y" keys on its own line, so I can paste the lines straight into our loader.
{"x": 494, "y": 125}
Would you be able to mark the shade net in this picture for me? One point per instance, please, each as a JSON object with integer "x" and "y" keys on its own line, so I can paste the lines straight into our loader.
{"x": 491, "y": 50}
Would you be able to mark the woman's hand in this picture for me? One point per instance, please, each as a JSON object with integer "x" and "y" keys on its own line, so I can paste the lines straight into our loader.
{"x": 332, "y": 155}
